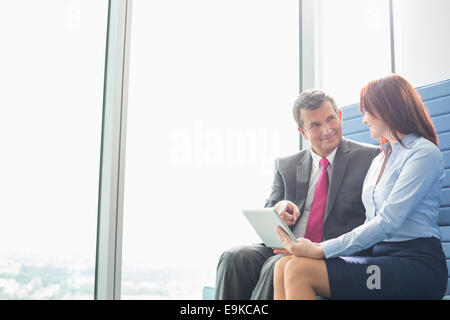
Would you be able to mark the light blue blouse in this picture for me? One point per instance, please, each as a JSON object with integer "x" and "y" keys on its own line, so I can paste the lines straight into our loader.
{"x": 403, "y": 205}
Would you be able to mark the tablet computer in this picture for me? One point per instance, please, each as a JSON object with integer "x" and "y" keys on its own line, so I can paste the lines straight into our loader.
{"x": 264, "y": 221}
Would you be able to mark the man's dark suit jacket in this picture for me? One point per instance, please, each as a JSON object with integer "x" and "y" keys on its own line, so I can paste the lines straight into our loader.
{"x": 344, "y": 210}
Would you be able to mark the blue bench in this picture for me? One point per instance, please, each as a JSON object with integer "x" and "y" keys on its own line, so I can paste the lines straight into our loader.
{"x": 437, "y": 99}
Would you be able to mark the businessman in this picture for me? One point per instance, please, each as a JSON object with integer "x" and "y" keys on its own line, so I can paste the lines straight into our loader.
{"x": 316, "y": 191}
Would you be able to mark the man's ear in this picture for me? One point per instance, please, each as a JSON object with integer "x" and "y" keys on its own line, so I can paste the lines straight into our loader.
{"x": 340, "y": 115}
{"x": 303, "y": 133}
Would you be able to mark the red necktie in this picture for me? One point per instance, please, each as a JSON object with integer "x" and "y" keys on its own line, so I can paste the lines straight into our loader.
{"x": 314, "y": 228}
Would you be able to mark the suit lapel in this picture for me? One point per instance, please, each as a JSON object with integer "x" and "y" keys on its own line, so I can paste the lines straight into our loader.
{"x": 303, "y": 175}
{"x": 339, "y": 167}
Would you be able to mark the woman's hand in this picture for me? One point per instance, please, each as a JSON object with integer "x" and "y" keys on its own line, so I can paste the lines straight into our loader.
{"x": 302, "y": 248}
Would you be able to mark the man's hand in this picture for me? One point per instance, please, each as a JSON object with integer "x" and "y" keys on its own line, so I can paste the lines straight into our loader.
{"x": 288, "y": 211}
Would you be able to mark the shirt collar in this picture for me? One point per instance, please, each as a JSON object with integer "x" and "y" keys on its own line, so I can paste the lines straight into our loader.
{"x": 316, "y": 158}
{"x": 407, "y": 140}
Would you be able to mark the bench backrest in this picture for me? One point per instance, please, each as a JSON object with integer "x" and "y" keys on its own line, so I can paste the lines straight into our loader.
{"x": 437, "y": 99}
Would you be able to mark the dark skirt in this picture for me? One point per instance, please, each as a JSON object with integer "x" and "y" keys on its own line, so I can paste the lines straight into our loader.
{"x": 414, "y": 269}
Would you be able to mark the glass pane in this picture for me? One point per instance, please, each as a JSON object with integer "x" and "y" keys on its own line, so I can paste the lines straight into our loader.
{"x": 354, "y": 46}
{"x": 212, "y": 84}
{"x": 51, "y": 63}
{"x": 422, "y": 41}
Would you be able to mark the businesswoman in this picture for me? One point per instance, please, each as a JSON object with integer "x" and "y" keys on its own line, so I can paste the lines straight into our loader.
{"x": 397, "y": 252}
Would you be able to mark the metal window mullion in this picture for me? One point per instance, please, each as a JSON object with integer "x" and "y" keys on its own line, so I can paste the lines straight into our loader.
{"x": 309, "y": 50}
{"x": 112, "y": 155}
{"x": 300, "y": 60}
{"x": 392, "y": 37}
{"x": 310, "y": 42}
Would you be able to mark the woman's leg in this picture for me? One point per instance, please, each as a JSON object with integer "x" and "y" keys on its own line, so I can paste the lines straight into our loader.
{"x": 305, "y": 278}
{"x": 278, "y": 278}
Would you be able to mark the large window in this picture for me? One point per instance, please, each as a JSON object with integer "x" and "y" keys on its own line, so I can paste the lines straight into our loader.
{"x": 212, "y": 84}
{"x": 354, "y": 43}
{"x": 422, "y": 40}
{"x": 52, "y": 63}
{"x": 354, "y": 46}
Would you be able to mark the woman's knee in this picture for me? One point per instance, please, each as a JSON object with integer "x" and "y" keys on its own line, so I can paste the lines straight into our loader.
{"x": 280, "y": 265}
{"x": 306, "y": 272}
{"x": 298, "y": 268}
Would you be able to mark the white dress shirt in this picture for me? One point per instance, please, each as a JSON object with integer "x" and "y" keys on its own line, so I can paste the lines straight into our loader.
{"x": 316, "y": 168}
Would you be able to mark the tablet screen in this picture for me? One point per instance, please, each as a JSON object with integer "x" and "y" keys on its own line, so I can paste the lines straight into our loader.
{"x": 264, "y": 222}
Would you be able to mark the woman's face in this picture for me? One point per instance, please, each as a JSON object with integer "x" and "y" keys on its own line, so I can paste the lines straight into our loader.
{"x": 377, "y": 126}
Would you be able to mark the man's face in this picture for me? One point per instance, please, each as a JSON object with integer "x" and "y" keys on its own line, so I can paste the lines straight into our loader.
{"x": 322, "y": 127}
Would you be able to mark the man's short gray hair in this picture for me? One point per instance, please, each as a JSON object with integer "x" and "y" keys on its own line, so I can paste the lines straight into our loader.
{"x": 311, "y": 100}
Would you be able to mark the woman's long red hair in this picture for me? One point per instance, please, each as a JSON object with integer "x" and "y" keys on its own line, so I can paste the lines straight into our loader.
{"x": 397, "y": 103}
